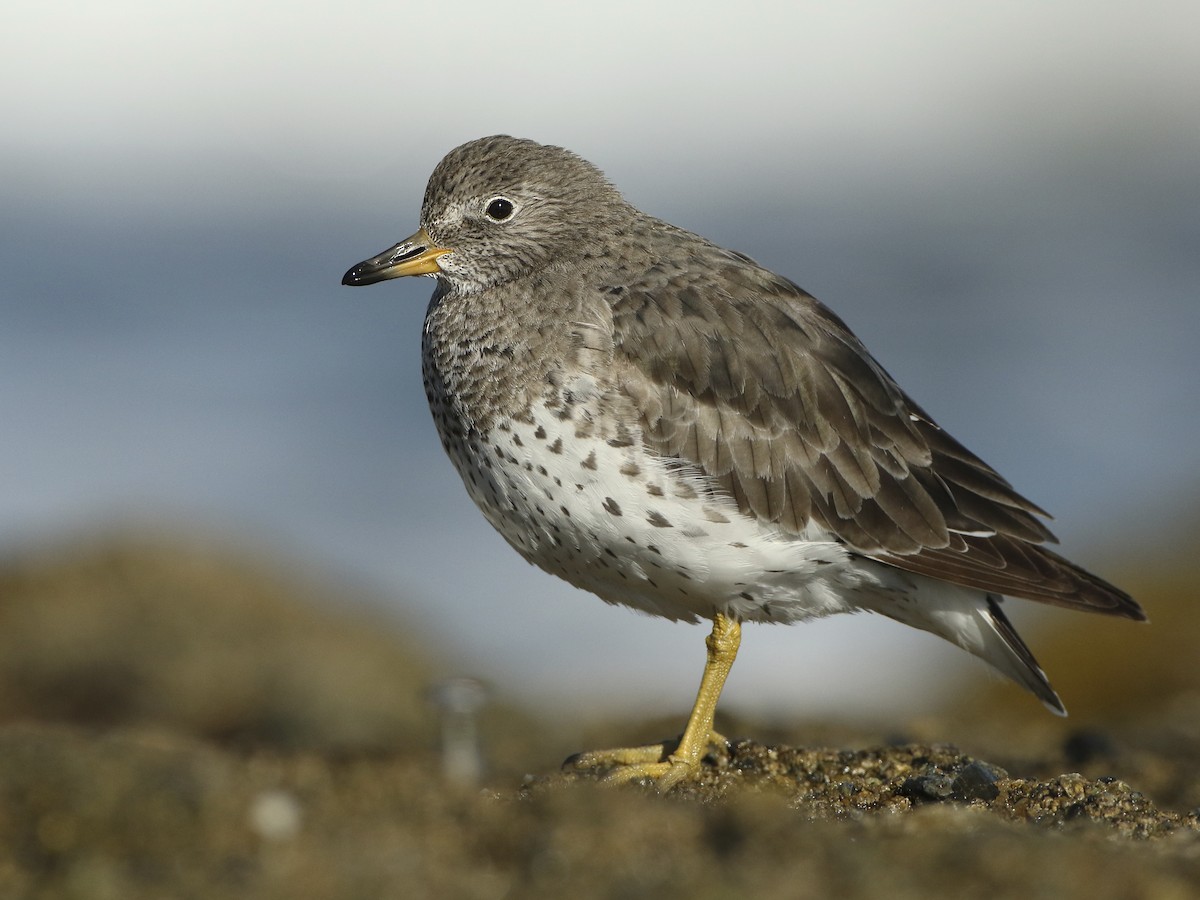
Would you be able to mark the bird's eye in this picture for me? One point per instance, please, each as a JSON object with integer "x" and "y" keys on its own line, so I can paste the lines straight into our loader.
{"x": 499, "y": 209}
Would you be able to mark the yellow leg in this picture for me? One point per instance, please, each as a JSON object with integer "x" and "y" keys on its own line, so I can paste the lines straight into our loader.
{"x": 684, "y": 760}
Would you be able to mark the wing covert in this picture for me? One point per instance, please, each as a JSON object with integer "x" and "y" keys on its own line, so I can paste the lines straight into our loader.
{"x": 745, "y": 376}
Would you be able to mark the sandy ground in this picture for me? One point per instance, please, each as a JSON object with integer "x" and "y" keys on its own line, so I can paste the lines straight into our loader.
{"x": 182, "y": 721}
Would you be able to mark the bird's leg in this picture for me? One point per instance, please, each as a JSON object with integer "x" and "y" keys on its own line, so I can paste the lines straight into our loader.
{"x": 684, "y": 759}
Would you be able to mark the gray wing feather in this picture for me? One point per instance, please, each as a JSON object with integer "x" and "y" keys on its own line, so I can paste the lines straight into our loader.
{"x": 744, "y": 375}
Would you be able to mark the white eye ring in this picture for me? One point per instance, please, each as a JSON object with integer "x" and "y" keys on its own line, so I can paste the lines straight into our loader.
{"x": 499, "y": 209}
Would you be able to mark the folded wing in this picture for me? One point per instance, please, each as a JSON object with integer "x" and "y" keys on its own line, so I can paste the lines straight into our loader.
{"x": 742, "y": 374}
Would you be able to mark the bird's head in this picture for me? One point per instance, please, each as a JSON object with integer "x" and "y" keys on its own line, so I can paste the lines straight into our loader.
{"x": 499, "y": 208}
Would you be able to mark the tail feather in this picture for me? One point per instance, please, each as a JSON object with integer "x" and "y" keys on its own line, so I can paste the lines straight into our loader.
{"x": 1005, "y": 650}
{"x": 974, "y": 621}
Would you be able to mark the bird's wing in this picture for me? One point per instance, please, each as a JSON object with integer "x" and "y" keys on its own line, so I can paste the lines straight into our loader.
{"x": 747, "y": 377}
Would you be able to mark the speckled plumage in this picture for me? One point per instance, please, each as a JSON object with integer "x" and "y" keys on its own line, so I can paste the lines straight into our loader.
{"x": 667, "y": 424}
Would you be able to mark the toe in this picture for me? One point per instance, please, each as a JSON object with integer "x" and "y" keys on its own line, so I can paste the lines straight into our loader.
{"x": 619, "y": 757}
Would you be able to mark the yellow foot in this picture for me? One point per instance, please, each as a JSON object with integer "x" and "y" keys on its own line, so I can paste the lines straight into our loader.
{"x": 670, "y": 762}
{"x": 665, "y": 763}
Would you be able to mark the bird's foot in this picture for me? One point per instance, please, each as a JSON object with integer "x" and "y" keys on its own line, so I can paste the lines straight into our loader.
{"x": 665, "y": 764}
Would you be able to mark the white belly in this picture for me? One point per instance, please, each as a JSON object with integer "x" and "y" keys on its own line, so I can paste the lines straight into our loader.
{"x": 637, "y": 531}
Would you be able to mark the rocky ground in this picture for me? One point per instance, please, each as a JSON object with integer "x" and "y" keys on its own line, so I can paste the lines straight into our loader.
{"x": 177, "y": 721}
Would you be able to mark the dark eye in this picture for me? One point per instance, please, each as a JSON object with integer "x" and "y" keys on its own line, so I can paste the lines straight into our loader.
{"x": 499, "y": 209}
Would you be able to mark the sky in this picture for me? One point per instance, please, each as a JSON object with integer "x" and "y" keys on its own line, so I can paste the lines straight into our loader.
{"x": 1003, "y": 201}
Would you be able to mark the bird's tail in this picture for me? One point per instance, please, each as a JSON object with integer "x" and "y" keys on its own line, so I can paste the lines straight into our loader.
{"x": 974, "y": 621}
{"x": 1004, "y": 649}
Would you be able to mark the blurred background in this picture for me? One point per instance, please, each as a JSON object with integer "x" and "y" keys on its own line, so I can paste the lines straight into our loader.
{"x": 1003, "y": 201}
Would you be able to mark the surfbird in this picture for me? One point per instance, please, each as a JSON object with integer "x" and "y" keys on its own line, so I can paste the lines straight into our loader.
{"x": 667, "y": 424}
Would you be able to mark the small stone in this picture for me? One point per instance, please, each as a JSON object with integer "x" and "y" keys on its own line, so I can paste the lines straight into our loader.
{"x": 931, "y": 786}
{"x": 978, "y": 781}
{"x": 276, "y": 815}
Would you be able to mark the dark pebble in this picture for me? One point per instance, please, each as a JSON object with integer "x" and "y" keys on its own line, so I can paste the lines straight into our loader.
{"x": 978, "y": 781}
{"x": 931, "y": 786}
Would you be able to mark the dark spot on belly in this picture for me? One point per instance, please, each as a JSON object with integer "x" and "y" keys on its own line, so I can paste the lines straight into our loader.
{"x": 611, "y": 506}
{"x": 623, "y": 436}
{"x": 658, "y": 521}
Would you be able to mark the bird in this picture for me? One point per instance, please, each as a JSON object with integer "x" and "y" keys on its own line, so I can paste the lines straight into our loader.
{"x": 674, "y": 428}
